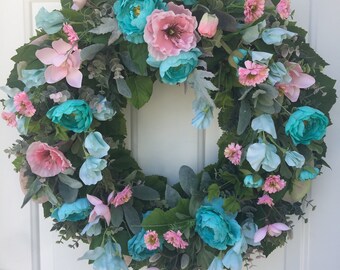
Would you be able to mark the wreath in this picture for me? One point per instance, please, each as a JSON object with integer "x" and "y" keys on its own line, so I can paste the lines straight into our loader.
{"x": 244, "y": 59}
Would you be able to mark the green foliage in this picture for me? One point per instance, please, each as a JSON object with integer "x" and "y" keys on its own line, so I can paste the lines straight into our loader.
{"x": 213, "y": 192}
{"x": 139, "y": 53}
{"x": 141, "y": 89}
{"x": 145, "y": 193}
{"x": 32, "y": 190}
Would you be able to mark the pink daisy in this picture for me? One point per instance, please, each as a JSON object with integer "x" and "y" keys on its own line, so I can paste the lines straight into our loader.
{"x": 122, "y": 197}
{"x": 252, "y": 74}
{"x": 151, "y": 240}
{"x": 175, "y": 239}
{"x": 266, "y": 199}
{"x": 253, "y": 10}
{"x": 10, "y": 118}
{"x": 233, "y": 152}
{"x": 273, "y": 184}
{"x": 23, "y": 105}
{"x": 283, "y": 8}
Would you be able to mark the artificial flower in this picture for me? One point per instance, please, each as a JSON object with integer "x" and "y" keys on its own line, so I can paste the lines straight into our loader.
{"x": 294, "y": 159}
{"x": 72, "y": 36}
{"x": 23, "y": 105}
{"x": 275, "y": 36}
{"x": 265, "y": 199}
{"x": 91, "y": 170}
{"x": 175, "y": 239}
{"x": 73, "y": 114}
{"x": 50, "y": 22}
{"x": 278, "y": 74}
{"x": 63, "y": 62}
{"x": 263, "y": 154}
{"x": 216, "y": 264}
{"x": 95, "y": 145}
{"x": 309, "y": 174}
{"x": 100, "y": 209}
{"x": 233, "y": 259}
{"x": 273, "y": 230}
{"x": 233, "y": 152}
{"x": 151, "y": 240}
{"x": 253, "y": 10}
{"x": 189, "y": 2}
{"x": 170, "y": 32}
{"x": 208, "y": 25}
{"x": 78, "y": 4}
{"x": 283, "y": 9}
{"x": 253, "y": 33}
{"x": 60, "y": 97}
{"x": 10, "y": 118}
{"x": 249, "y": 181}
{"x": 122, "y": 197}
{"x": 264, "y": 122}
{"x": 132, "y": 15}
{"x": 93, "y": 228}
{"x": 306, "y": 124}
{"x": 273, "y": 184}
{"x": 249, "y": 228}
{"x": 252, "y": 74}
{"x": 203, "y": 111}
{"x": 33, "y": 77}
{"x": 261, "y": 57}
{"x": 78, "y": 210}
{"x": 45, "y": 160}
{"x": 137, "y": 247}
{"x": 101, "y": 108}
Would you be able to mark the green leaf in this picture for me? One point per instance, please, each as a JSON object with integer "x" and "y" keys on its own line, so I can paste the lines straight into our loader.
{"x": 18, "y": 162}
{"x": 195, "y": 203}
{"x": 108, "y": 25}
{"x": 188, "y": 180}
{"x": 141, "y": 89}
{"x": 205, "y": 181}
{"x": 298, "y": 191}
{"x": 33, "y": 189}
{"x": 61, "y": 133}
{"x": 204, "y": 258}
{"x": 231, "y": 205}
{"x": 139, "y": 53}
{"x": 132, "y": 218}
{"x": 88, "y": 53}
{"x": 145, "y": 193}
{"x": 68, "y": 194}
{"x": 117, "y": 216}
{"x": 123, "y": 88}
{"x": 50, "y": 195}
{"x": 171, "y": 196}
{"x": 244, "y": 117}
{"x": 71, "y": 182}
{"x": 213, "y": 192}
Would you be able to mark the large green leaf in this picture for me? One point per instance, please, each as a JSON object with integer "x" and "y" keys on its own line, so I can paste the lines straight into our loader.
{"x": 188, "y": 180}
{"x": 141, "y": 89}
{"x": 145, "y": 193}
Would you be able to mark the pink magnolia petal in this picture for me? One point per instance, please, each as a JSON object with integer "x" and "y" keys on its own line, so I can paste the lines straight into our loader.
{"x": 75, "y": 59}
{"x": 304, "y": 80}
{"x": 55, "y": 74}
{"x": 94, "y": 200}
{"x": 110, "y": 197}
{"x": 46, "y": 55}
{"x": 74, "y": 78}
{"x": 40, "y": 40}
{"x": 281, "y": 226}
{"x": 107, "y": 217}
{"x": 61, "y": 46}
{"x": 93, "y": 216}
{"x": 260, "y": 234}
{"x": 292, "y": 92}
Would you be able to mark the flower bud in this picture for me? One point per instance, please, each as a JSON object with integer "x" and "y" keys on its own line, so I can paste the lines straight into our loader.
{"x": 208, "y": 25}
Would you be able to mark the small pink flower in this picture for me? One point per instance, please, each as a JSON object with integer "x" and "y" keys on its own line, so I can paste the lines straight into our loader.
{"x": 122, "y": 197}
{"x": 299, "y": 80}
{"x": 175, "y": 239}
{"x": 252, "y": 74}
{"x": 233, "y": 152}
{"x": 266, "y": 199}
{"x": 10, "y": 118}
{"x": 72, "y": 36}
{"x": 253, "y": 10}
{"x": 208, "y": 25}
{"x": 60, "y": 97}
{"x": 45, "y": 160}
{"x": 274, "y": 230}
{"x": 151, "y": 240}
{"x": 100, "y": 209}
{"x": 167, "y": 33}
{"x": 23, "y": 105}
{"x": 78, "y": 4}
{"x": 273, "y": 184}
{"x": 283, "y": 8}
{"x": 63, "y": 63}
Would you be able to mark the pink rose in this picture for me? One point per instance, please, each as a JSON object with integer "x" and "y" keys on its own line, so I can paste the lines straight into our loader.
{"x": 167, "y": 33}
{"x": 45, "y": 160}
{"x": 208, "y": 25}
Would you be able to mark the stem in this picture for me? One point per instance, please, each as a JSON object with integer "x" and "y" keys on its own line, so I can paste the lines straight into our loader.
{"x": 226, "y": 47}
{"x": 279, "y": 147}
{"x": 282, "y": 106}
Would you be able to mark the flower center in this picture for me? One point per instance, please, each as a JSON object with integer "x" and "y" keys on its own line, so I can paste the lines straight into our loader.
{"x": 136, "y": 11}
{"x": 173, "y": 31}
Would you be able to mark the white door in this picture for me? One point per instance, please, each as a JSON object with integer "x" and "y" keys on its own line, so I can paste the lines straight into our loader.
{"x": 162, "y": 140}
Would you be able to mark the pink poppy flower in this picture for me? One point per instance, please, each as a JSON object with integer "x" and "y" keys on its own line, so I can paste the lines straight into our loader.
{"x": 10, "y": 118}
{"x": 167, "y": 33}
{"x": 151, "y": 240}
{"x": 23, "y": 105}
{"x": 63, "y": 62}
{"x": 122, "y": 197}
{"x": 266, "y": 199}
{"x": 78, "y": 4}
{"x": 233, "y": 152}
{"x": 274, "y": 230}
{"x": 299, "y": 80}
{"x": 252, "y": 74}
{"x": 283, "y": 8}
{"x": 253, "y": 10}
{"x": 72, "y": 36}
{"x": 100, "y": 209}
{"x": 208, "y": 25}
{"x": 273, "y": 184}
{"x": 45, "y": 160}
{"x": 175, "y": 239}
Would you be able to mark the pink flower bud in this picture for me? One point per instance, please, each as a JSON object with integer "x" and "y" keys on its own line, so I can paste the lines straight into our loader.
{"x": 208, "y": 25}
{"x": 78, "y": 4}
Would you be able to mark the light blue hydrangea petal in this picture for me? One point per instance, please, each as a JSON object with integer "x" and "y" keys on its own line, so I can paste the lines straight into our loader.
{"x": 95, "y": 145}
{"x": 278, "y": 74}
{"x": 232, "y": 260}
{"x": 294, "y": 159}
{"x": 50, "y": 22}
{"x": 256, "y": 154}
{"x": 33, "y": 77}
{"x": 216, "y": 264}
{"x": 91, "y": 170}
{"x": 275, "y": 36}
{"x": 93, "y": 228}
{"x": 261, "y": 57}
{"x": 265, "y": 123}
{"x": 203, "y": 113}
{"x": 272, "y": 160}
{"x": 249, "y": 228}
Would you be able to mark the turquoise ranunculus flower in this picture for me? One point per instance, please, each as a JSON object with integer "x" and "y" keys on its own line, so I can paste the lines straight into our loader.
{"x": 176, "y": 69}
{"x": 137, "y": 248}
{"x": 131, "y": 16}
{"x": 33, "y": 77}
{"x": 215, "y": 227}
{"x": 250, "y": 182}
{"x": 95, "y": 144}
{"x": 74, "y": 115}
{"x": 308, "y": 175}
{"x": 78, "y": 210}
{"x": 91, "y": 170}
{"x": 189, "y": 2}
{"x": 50, "y": 22}
{"x": 306, "y": 124}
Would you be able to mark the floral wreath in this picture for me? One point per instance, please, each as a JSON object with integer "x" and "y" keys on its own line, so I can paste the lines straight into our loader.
{"x": 70, "y": 84}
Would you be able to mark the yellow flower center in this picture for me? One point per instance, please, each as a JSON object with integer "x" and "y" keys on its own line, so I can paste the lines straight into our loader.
{"x": 136, "y": 11}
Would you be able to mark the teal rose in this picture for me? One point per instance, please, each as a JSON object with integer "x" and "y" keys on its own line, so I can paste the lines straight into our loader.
{"x": 131, "y": 16}
{"x": 137, "y": 247}
{"x": 78, "y": 210}
{"x": 309, "y": 174}
{"x": 73, "y": 115}
{"x": 176, "y": 69}
{"x": 306, "y": 124}
{"x": 253, "y": 182}
{"x": 215, "y": 227}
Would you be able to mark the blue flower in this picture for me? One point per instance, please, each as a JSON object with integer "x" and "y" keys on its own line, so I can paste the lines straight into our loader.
{"x": 91, "y": 170}
{"x": 78, "y": 210}
{"x": 50, "y": 22}
{"x": 216, "y": 264}
{"x": 233, "y": 259}
{"x": 262, "y": 154}
{"x": 22, "y": 125}
{"x": 308, "y": 174}
{"x": 249, "y": 228}
{"x": 189, "y": 2}
{"x": 95, "y": 144}
{"x": 294, "y": 159}
{"x": 203, "y": 113}
{"x": 215, "y": 227}
{"x": 93, "y": 228}
{"x": 264, "y": 122}
{"x": 137, "y": 248}
{"x": 275, "y": 36}
{"x": 261, "y": 57}
{"x": 101, "y": 108}
{"x": 278, "y": 74}
{"x": 250, "y": 182}
{"x": 240, "y": 56}
{"x": 33, "y": 77}
{"x": 176, "y": 69}
{"x": 131, "y": 16}
{"x": 74, "y": 115}
{"x": 306, "y": 124}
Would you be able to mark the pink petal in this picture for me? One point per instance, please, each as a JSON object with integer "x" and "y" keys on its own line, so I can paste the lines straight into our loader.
{"x": 94, "y": 200}
{"x": 61, "y": 46}
{"x": 292, "y": 92}
{"x": 46, "y": 55}
{"x": 93, "y": 216}
{"x": 281, "y": 226}
{"x": 304, "y": 81}
{"x": 74, "y": 78}
{"x": 110, "y": 197}
{"x": 260, "y": 234}
{"x": 55, "y": 74}
{"x": 75, "y": 59}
